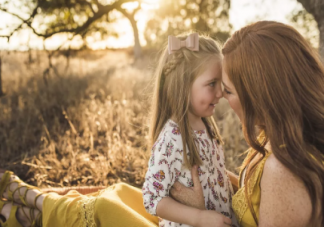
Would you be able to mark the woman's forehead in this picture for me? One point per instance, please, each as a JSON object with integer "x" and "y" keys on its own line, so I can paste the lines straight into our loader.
{"x": 225, "y": 80}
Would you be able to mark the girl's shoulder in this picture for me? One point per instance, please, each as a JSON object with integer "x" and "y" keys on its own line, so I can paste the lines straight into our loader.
{"x": 171, "y": 129}
{"x": 169, "y": 133}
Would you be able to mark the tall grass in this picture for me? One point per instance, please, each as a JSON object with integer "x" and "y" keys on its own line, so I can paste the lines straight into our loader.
{"x": 87, "y": 123}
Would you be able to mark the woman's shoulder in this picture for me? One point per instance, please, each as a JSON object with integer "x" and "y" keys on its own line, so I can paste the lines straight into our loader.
{"x": 275, "y": 171}
{"x": 284, "y": 198}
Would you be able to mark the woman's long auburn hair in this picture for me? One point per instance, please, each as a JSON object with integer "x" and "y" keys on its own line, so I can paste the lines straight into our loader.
{"x": 174, "y": 77}
{"x": 279, "y": 80}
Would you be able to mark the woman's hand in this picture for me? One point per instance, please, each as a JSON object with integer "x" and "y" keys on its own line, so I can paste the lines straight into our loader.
{"x": 210, "y": 218}
{"x": 193, "y": 196}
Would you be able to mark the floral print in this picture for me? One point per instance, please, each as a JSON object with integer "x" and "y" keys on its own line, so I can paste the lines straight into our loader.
{"x": 166, "y": 167}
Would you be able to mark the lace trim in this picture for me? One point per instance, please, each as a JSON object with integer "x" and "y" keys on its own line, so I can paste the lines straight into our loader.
{"x": 239, "y": 200}
{"x": 86, "y": 211}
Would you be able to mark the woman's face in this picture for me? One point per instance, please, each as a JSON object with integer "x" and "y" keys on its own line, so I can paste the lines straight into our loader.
{"x": 230, "y": 94}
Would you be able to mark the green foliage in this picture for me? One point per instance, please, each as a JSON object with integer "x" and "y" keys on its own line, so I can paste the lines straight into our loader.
{"x": 70, "y": 14}
{"x": 178, "y": 16}
{"x": 81, "y": 18}
{"x": 305, "y": 23}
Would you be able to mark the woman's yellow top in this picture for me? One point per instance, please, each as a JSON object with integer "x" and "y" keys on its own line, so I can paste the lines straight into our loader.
{"x": 239, "y": 200}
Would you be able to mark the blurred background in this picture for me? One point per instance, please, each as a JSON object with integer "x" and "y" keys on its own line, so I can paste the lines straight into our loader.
{"x": 76, "y": 79}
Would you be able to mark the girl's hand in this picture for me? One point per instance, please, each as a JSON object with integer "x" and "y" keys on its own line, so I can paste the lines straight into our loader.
{"x": 210, "y": 218}
{"x": 193, "y": 196}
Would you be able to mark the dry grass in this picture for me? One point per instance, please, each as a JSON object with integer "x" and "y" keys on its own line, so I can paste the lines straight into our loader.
{"x": 87, "y": 126}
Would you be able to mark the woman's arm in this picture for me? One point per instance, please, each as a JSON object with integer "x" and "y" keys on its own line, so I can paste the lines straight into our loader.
{"x": 194, "y": 196}
{"x": 284, "y": 198}
{"x": 170, "y": 209}
{"x": 234, "y": 180}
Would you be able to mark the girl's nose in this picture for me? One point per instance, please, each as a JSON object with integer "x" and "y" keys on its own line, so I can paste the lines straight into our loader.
{"x": 219, "y": 92}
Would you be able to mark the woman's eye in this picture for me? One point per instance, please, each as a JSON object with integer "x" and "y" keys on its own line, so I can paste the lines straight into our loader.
{"x": 226, "y": 91}
{"x": 212, "y": 84}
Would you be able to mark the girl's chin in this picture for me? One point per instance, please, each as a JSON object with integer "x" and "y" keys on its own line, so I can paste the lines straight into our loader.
{"x": 210, "y": 113}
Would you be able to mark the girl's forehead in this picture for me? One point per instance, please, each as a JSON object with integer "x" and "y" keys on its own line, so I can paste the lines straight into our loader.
{"x": 209, "y": 74}
{"x": 213, "y": 69}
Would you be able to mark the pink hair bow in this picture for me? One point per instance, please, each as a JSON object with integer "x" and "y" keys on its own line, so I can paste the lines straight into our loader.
{"x": 191, "y": 43}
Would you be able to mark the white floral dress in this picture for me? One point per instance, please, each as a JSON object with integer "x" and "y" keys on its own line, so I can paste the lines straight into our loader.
{"x": 165, "y": 167}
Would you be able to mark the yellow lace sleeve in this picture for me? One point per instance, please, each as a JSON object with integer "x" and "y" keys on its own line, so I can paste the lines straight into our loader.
{"x": 86, "y": 211}
{"x": 239, "y": 200}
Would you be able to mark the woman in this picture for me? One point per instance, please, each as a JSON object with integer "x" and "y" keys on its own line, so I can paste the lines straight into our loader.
{"x": 272, "y": 79}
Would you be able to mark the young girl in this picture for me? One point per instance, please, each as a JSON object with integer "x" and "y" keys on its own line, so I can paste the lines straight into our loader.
{"x": 184, "y": 133}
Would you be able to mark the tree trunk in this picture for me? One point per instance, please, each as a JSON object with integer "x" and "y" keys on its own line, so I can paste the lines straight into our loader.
{"x": 1, "y": 92}
{"x": 131, "y": 18}
{"x": 321, "y": 39}
{"x": 137, "y": 44}
{"x": 316, "y": 8}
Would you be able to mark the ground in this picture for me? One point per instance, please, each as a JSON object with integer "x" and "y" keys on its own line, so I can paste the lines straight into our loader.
{"x": 85, "y": 123}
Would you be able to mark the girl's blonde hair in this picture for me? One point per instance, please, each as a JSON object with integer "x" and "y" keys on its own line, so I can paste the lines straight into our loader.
{"x": 175, "y": 75}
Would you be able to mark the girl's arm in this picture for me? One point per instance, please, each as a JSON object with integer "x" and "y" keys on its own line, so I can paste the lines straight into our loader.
{"x": 159, "y": 178}
{"x": 170, "y": 209}
{"x": 285, "y": 200}
{"x": 234, "y": 180}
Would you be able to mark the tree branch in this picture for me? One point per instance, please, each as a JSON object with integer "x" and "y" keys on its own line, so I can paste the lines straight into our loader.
{"x": 88, "y": 4}
{"x": 27, "y": 22}
{"x": 98, "y": 3}
{"x": 129, "y": 16}
{"x": 13, "y": 14}
{"x": 9, "y": 36}
{"x": 102, "y": 10}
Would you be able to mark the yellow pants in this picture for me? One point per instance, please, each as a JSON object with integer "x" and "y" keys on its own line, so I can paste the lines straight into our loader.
{"x": 120, "y": 205}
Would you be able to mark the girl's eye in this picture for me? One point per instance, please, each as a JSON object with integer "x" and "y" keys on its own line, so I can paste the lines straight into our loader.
{"x": 212, "y": 84}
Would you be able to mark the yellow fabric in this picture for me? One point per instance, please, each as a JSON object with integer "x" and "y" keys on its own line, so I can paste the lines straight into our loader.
{"x": 12, "y": 220}
{"x": 119, "y": 205}
{"x": 239, "y": 200}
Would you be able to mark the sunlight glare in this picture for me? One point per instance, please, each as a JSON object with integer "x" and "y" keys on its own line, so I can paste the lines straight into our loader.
{"x": 146, "y": 5}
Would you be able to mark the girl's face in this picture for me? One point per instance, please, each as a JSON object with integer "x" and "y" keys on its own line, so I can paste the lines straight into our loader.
{"x": 230, "y": 94}
{"x": 206, "y": 90}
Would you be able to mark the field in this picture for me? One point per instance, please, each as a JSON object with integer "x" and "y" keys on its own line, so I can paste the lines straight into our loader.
{"x": 85, "y": 123}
